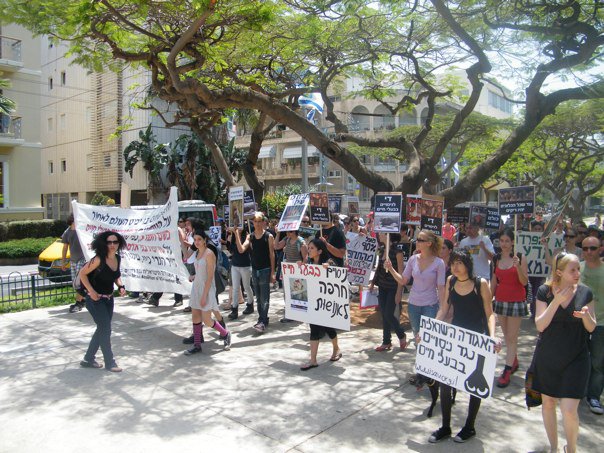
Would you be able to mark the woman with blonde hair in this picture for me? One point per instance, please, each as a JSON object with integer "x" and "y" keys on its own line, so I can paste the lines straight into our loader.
{"x": 565, "y": 318}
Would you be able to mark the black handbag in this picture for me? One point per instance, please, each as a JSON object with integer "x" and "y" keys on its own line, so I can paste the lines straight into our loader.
{"x": 532, "y": 397}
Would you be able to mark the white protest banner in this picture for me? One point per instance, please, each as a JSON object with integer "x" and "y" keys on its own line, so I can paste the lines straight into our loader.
{"x": 236, "y": 207}
{"x": 368, "y": 299}
{"x": 215, "y": 233}
{"x": 387, "y": 212}
{"x": 361, "y": 252}
{"x": 152, "y": 260}
{"x": 529, "y": 244}
{"x": 293, "y": 212}
{"x": 457, "y": 357}
{"x": 316, "y": 295}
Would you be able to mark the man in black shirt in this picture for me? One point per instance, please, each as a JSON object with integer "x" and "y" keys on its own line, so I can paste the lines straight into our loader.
{"x": 335, "y": 240}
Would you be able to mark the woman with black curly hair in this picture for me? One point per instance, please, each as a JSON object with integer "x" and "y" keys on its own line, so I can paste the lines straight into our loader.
{"x": 98, "y": 277}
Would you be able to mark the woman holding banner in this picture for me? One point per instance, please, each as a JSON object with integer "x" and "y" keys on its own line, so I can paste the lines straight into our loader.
{"x": 390, "y": 292}
{"x": 508, "y": 281}
{"x": 470, "y": 299}
{"x": 565, "y": 318}
{"x": 319, "y": 255}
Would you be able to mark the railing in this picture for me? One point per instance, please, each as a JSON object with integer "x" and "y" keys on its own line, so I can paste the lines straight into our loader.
{"x": 289, "y": 170}
{"x": 17, "y": 289}
{"x": 10, "y": 127}
{"x": 10, "y": 48}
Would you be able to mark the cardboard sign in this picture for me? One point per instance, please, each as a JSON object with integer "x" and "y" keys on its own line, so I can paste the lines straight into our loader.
{"x": 493, "y": 219}
{"x": 517, "y": 200}
{"x": 432, "y": 214}
{"x": 319, "y": 208}
{"x": 478, "y": 215}
{"x": 529, "y": 244}
{"x": 316, "y": 295}
{"x": 458, "y": 215}
{"x": 368, "y": 299}
{"x": 353, "y": 205}
{"x": 307, "y": 232}
{"x": 215, "y": 233}
{"x": 293, "y": 212}
{"x": 335, "y": 204}
{"x": 458, "y": 357}
{"x": 387, "y": 212}
{"x": 361, "y": 251}
{"x": 249, "y": 204}
{"x": 236, "y": 207}
{"x": 413, "y": 209}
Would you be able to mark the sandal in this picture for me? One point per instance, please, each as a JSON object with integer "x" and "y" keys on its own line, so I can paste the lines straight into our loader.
{"x": 308, "y": 366}
{"x": 384, "y": 347}
{"x": 335, "y": 358}
{"x": 403, "y": 343}
{"x": 93, "y": 364}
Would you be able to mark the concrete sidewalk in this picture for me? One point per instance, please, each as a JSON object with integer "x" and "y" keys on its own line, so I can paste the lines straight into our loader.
{"x": 252, "y": 398}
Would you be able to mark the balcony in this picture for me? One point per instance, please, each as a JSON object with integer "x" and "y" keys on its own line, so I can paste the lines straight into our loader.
{"x": 288, "y": 171}
{"x": 10, "y": 54}
{"x": 10, "y": 130}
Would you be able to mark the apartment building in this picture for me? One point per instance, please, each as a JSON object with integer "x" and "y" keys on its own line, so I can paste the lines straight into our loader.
{"x": 20, "y": 131}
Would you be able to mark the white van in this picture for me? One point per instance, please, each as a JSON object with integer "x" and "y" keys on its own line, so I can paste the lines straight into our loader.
{"x": 206, "y": 212}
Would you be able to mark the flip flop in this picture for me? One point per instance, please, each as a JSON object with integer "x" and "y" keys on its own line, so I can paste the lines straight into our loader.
{"x": 308, "y": 366}
{"x": 335, "y": 358}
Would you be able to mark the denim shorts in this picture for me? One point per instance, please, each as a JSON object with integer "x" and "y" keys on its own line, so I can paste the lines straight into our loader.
{"x": 416, "y": 312}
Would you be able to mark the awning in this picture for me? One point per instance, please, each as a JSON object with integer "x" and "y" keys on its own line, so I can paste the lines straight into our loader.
{"x": 296, "y": 152}
{"x": 266, "y": 152}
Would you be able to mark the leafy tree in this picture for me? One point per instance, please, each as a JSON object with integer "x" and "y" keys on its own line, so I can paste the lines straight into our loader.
{"x": 100, "y": 199}
{"x": 209, "y": 56}
{"x": 274, "y": 203}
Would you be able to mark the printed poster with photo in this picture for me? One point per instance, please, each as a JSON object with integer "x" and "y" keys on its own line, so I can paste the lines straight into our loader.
{"x": 335, "y": 204}
{"x": 249, "y": 204}
{"x": 458, "y": 215}
{"x": 413, "y": 209}
{"x": 353, "y": 205}
{"x": 517, "y": 200}
{"x": 316, "y": 295}
{"x": 319, "y": 208}
{"x": 478, "y": 215}
{"x": 293, "y": 212}
{"x": 432, "y": 213}
{"x": 458, "y": 357}
{"x": 236, "y": 207}
{"x": 387, "y": 212}
{"x": 215, "y": 234}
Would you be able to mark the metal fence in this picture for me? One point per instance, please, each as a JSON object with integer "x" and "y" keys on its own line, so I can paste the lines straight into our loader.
{"x": 19, "y": 288}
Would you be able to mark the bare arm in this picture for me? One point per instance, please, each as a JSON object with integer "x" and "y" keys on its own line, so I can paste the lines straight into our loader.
{"x": 400, "y": 265}
{"x": 304, "y": 252}
{"x": 87, "y": 269}
{"x": 210, "y": 268}
{"x": 64, "y": 256}
{"x": 242, "y": 247}
{"x": 487, "y": 302}
{"x": 444, "y": 305}
{"x": 271, "y": 251}
{"x": 588, "y": 316}
{"x": 522, "y": 269}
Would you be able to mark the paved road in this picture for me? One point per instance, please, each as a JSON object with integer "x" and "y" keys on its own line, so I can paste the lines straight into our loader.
{"x": 253, "y": 398}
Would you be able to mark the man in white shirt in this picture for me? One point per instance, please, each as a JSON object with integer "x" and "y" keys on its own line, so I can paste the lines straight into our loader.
{"x": 481, "y": 249}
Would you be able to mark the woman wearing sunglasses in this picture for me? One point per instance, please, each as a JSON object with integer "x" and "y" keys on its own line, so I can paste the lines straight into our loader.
{"x": 105, "y": 270}
{"x": 565, "y": 317}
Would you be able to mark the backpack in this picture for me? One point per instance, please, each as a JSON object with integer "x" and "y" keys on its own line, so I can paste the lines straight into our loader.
{"x": 77, "y": 283}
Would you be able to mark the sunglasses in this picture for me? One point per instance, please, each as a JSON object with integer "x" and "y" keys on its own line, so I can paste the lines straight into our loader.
{"x": 591, "y": 248}
{"x": 113, "y": 242}
{"x": 422, "y": 240}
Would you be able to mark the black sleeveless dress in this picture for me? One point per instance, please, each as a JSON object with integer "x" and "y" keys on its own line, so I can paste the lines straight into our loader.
{"x": 562, "y": 363}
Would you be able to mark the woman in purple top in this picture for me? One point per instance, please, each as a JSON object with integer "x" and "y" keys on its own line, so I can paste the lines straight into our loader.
{"x": 428, "y": 272}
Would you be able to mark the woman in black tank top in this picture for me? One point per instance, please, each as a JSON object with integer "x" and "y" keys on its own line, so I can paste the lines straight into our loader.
{"x": 98, "y": 277}
{"x": 469, "y": 299}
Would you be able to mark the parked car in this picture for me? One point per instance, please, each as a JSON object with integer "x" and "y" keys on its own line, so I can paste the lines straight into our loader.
{"x": 50, "y": 262}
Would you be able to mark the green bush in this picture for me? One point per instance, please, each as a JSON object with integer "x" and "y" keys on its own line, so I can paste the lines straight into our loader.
{"x": 24, "y": 229}
{"x": 24, "y": 248}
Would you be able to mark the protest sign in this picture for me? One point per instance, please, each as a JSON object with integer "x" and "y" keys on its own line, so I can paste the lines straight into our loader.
{"x": 225, "y": 210}
{"x": 353, "y": 205}
{"x": 293, "y": 212}
{"x": 517, "y": 200}
{"x": 493, "y": 219}
{"x": 368, "y": 299}
{"x": 249, "y": 204}
{"x": 236, "y": 207}
{"x": 361, "y": 252}
{"x": 406, "y": 248}
{"x": 413, "y": 209}
{"x": 529, "y": 244}
{"x": 458, "y": 357}
{"x": 316, "y": 295}
{"x": 458, "y": 215}
{"x": 215, "y": 233}
{"x": 432, "y": 214}
{"x": 319, "y": 208}
{"x": 306, "y": 232}
{"x": 556, "y": 216}
{"x": 335, "y": 204}
{"x": 478, "y": 215}
{"x": 152, "y": 260}
{"x": 387, "y": 212}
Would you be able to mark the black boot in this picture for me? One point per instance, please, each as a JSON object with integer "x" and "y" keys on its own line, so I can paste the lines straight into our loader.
{"x": 248, "y": 309}
{"x": 234, "y": 314}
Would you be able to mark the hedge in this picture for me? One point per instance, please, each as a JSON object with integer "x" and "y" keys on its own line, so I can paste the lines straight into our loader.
{"x": 24, "y": 248}
{"x": 24, "y": 229}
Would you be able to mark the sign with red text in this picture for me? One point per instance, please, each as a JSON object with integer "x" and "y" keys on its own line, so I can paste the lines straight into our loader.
{"x": 317, "y": 294}
{"x": 152, "y": 260}
{"x": 293, "y": 212}
{"x": 360, "y": 251}
{"x": 458, "y": 357}
{"x": 413, "y": 209}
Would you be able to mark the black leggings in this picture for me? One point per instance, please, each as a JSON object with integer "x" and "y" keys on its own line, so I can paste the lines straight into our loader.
{"x": 445, "y": 407}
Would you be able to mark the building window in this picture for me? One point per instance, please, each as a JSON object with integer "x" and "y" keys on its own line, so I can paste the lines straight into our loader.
{"x": 63, "y": 165}
{"x": 50, "y": 83}
{"x": 500, "y": 103}
{"x": 88, "y": 114}
{"x": 334, "y": 173}
{"x": 3, "y": 184}
{"x": 89, "y": 163}
{"x": 63, "y": 121}
{"x": 107, "y": 160}
{"x": 63, "y": 78}
{"x": 50, "y": 124}
{"x": 51, "y": 167}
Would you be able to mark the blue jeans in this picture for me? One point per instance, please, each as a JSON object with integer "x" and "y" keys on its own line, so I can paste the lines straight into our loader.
{"x": 386, "y": 301}
{"x": 261, "y": 281}
{"x": 596, "y": 349}
{"x": 416, "y": 312}
{"x": 102, "y": 312}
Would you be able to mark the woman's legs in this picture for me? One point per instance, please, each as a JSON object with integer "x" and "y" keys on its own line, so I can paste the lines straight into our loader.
{"x": 570, "y": 420}
{"x": 383, "y": 302}
{"x": 510, "y": 325}
{"x": 102, "y": 313}
{"x": 314, "y": 348}
{"x": 550, "y": 421}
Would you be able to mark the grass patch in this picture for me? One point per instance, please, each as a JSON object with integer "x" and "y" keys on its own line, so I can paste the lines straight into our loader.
{"x": 24, "y": 248}
{"x": 22, "y": 305}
